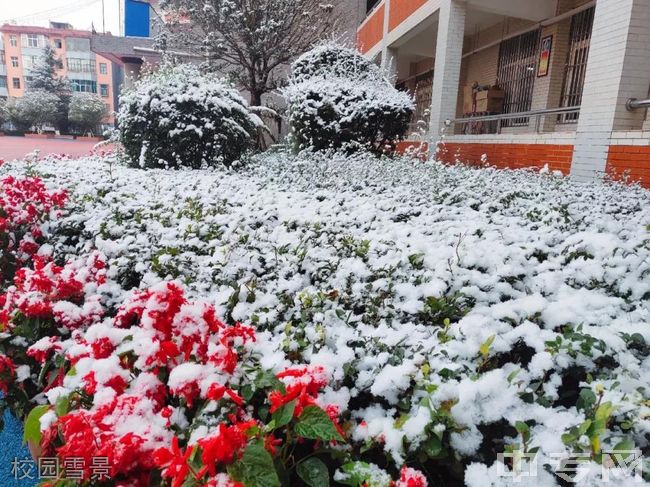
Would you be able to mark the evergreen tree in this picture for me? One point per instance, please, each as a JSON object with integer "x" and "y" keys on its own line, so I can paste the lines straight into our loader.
{"x": 44, "y": 78}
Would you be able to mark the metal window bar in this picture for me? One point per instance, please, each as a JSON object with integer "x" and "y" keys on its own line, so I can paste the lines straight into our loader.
{"x": 516, "y": 74}
{"x": 421, "y": 87}
{"x": 576, "y": 63}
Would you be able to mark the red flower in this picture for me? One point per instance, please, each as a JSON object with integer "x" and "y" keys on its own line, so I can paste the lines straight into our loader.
{"x": 223, "y": 447}
{"x": 174, "y": 462}
{"x": 217, "y": 391}
{"x": 102, "y": 348}
{"x": 304, "y": 384}
{"x": 7, "y": 372}
{"x": 409, "y": 477}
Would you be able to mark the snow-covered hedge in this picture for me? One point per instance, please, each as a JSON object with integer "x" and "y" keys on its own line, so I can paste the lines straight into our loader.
{"x": 178, "y": 116}
{"x": 460, "y": 313}
{"x": 339, "y": 99}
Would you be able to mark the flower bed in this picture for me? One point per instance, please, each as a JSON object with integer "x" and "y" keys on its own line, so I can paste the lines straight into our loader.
{"x": 431, "y": 317}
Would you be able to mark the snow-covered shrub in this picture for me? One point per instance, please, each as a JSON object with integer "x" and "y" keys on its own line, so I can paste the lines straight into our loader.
{"x": 37, "y": 108}
{"x": 177, "y": 116}
{"x": 333, "y": 60}
{"x": 87, "y": 110}
{"x": 338, "y": 99}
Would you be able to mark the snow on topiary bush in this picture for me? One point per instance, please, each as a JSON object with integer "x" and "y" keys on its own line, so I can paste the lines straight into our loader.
{"x": 338, "y": 99}
{"x": 37, "y": 108}
{"x": 87, "y": 110}
{"x": 178, "y": 116}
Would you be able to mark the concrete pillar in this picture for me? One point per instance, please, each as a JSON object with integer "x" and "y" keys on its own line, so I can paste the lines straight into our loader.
{"x": 547, "y": 91}
{"x": 449, "y": 53}
{"x": 389, "y": 63}
{"x": 618, "y": 69}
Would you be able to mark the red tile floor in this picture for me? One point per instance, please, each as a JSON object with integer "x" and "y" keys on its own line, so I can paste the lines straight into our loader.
{"x": 17, "y": 147}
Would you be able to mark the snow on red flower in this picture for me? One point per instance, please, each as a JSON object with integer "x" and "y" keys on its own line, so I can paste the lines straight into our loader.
{"x": 409, "y": 477}
{"x": 303, "y": 383}
{"x": 65, "y": 294}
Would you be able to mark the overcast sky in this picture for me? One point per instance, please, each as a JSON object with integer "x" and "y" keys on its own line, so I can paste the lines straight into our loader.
{"x": 80, "y": 13}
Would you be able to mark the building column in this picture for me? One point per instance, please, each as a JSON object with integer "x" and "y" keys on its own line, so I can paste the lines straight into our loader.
{"x": 618, "y": 68}
{"x": 389, "y": 63}
{"x": 449, "y": 54}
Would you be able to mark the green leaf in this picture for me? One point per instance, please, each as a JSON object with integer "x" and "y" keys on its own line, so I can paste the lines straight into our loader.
{"x": 523, "y": 429}
{"x": 33, "y": 425}
{"x": 315, "y": 424}
{"x": 587, "y": 400}
{"x": 283, "y": 415}
{"x": 627, "y": 444}
{"x": 362, "y": 473}
{"x": 313, "y": 472}
{"x": 433, "y": 446}
{"x": 255, "y": 468}
{"x": 62, "y": 405}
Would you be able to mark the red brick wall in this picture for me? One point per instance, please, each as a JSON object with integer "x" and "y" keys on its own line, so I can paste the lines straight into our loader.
{"x": 514, "y": 156}
{"x": 630, "y": 162}
{"x": 372, "y": 31}
{"x": 400, "y": 10}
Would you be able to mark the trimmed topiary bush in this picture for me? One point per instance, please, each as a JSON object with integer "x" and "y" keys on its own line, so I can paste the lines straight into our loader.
{"x": 179, "y": 117}
{"x": 340, "y": 100}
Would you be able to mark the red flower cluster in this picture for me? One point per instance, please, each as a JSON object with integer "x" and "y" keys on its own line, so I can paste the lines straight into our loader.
{"x": 66, "y": 295}
{"x": 7, "y": 372}
{"x": 304, "y": 384}
{"x": 24, "y": 205}
{"x": 117, "y": 430}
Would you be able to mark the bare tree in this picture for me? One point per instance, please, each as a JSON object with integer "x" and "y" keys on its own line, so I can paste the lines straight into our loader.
{"x": 248, "y": 40}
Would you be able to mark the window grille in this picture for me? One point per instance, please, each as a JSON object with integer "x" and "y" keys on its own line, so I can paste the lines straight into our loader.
{"x": 516, "y": 74}
{"x": 576, "y": 63}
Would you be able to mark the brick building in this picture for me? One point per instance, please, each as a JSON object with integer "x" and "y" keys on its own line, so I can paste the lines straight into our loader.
{"x": 22, "y": 46}
{"x": 551, "y": 79}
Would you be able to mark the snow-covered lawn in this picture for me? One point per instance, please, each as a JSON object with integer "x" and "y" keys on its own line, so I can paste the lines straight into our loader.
{"x": 450, "y": 304}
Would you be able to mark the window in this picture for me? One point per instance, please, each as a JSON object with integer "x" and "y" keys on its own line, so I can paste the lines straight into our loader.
{"x": 29, "y": 62}
{"x": 58, "y": 43}
{"x": 78, "y": 65}
{"x": 83, "y": 85}
{"x": 370, "y": 4}
{"x": 13, "y": 41}
{"x": 576, "y": 63}
{"x": 78, "y": 44}
{"x": 3, "y": 81}
{"x": 16, "y": 83}
{"x": 103, "y": 90}
{"x": 14, "y": 61}
{"x": 27, "y": 80}
{"x": 3, "y": 59}
{"x": 516, "y": 74}
{"x": 103, "y": 68}
{"x": 32, "y": 40}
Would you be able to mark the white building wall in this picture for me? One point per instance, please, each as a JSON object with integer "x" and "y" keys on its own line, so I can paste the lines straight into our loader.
{"x": 618, "y": 68}
{"x": 449, "y": 55}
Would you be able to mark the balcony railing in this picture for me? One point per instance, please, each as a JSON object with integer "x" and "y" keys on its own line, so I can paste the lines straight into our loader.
{"x": 492, "y": 124}
{"x": 634, "y": 104}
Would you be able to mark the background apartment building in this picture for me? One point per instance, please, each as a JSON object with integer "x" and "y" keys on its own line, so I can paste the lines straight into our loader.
{"x": 551, "y": 78}
{"x": 22, "y": 46}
